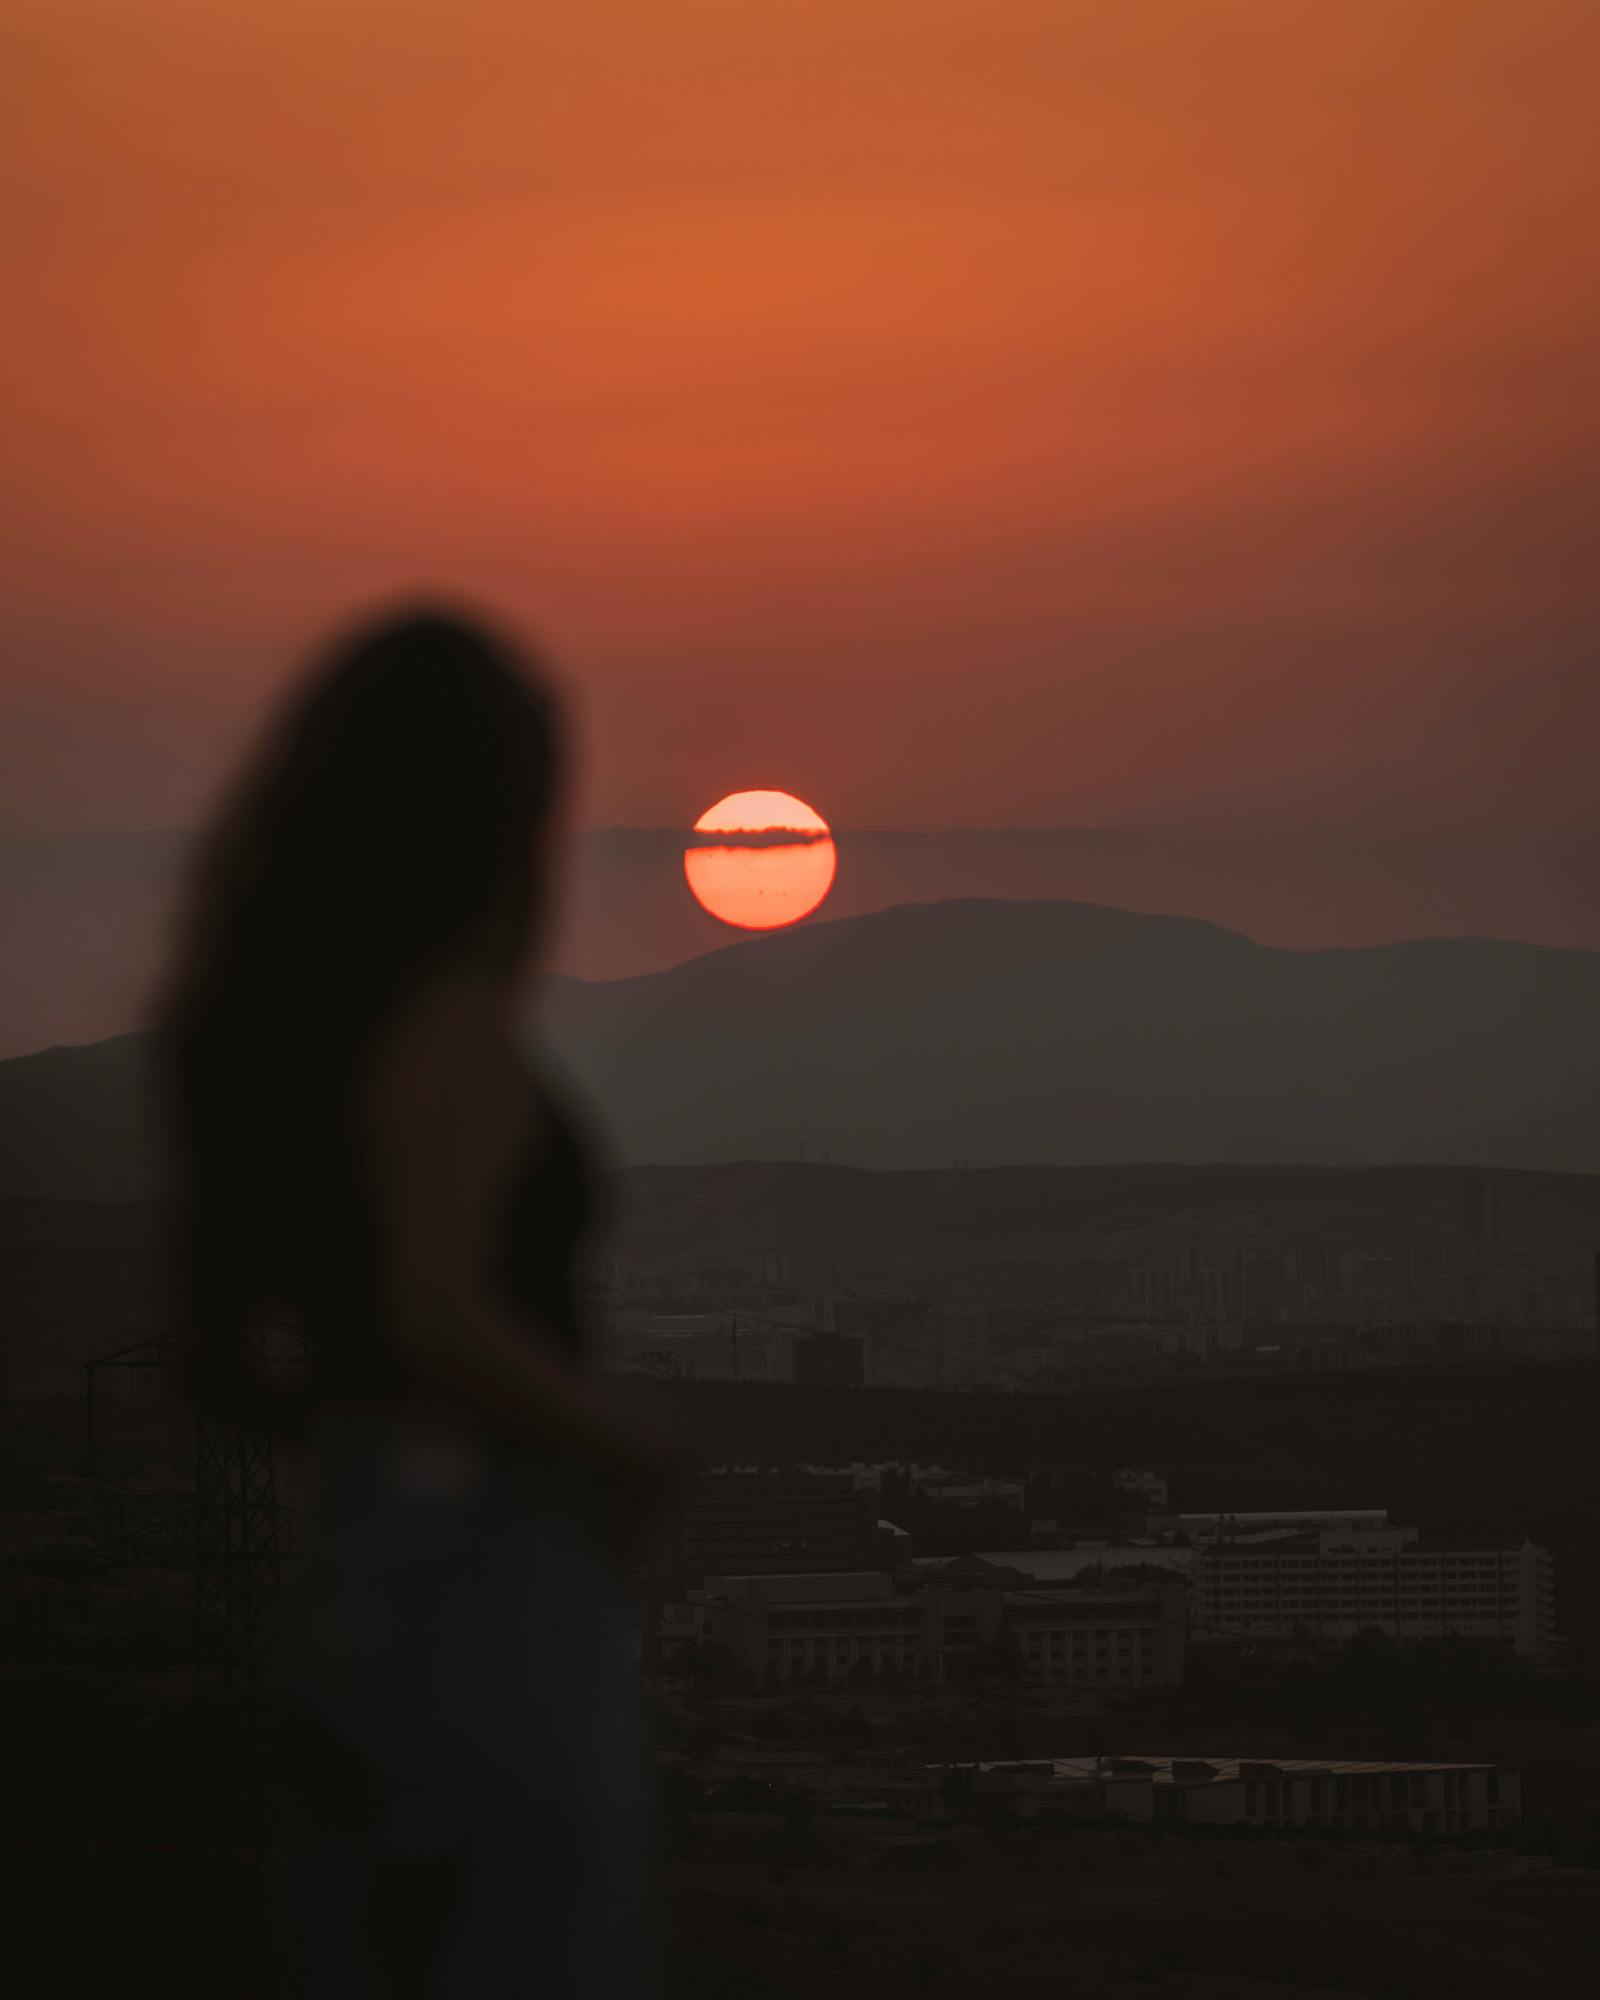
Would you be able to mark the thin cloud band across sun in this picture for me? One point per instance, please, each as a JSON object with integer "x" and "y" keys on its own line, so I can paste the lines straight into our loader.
{"x": 760, "y": 860}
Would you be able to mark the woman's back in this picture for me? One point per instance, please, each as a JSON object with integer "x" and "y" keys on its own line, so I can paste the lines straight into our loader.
{"x": 296, "y": 1217}
{"x": 357, "y": 1139}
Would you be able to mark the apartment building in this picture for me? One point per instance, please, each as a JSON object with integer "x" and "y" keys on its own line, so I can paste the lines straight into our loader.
{"x": 1330, "y": 1584}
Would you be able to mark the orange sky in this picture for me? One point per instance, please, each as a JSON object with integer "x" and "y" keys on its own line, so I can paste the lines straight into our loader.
{"x": 953, "y": 411}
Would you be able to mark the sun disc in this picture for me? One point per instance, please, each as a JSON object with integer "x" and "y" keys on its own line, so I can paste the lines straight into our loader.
{"x": 774, "y": 864}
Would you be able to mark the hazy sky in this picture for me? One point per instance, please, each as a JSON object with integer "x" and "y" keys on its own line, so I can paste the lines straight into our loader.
{"x": 953, "y": 411}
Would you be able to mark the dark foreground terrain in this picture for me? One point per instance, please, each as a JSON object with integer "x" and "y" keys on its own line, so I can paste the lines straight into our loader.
{"x": 123, "y": 1814}
{"x": 129, "y": 1857}
{"x": 844, "y": 1912}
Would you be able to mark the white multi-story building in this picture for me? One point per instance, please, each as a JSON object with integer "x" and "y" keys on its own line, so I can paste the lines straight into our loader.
{"x": 1331, "y": 1584}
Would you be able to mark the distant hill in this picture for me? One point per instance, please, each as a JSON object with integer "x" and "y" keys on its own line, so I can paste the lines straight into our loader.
{"x": 988, "y": 1033}
{"x": 75, "y": 1124}
{"x": 85, "y": 915}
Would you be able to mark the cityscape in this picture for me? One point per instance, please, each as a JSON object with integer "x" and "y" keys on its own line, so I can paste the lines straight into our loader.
{"x": 1159, "y": 1538}
{"x": 1255, "y": 1305}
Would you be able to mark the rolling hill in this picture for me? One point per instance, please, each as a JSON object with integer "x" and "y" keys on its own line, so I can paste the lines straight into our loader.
{"x": 988, "y": 1033}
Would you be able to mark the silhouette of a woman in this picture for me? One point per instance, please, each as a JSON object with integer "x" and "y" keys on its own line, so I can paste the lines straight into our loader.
{"x": 358, "y": 1143}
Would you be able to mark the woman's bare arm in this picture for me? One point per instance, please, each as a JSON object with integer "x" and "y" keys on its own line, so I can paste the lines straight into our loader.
{"x": 445, "y": 1115}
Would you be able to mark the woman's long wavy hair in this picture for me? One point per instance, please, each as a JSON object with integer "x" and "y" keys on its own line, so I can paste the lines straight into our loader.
{"x": 391, "y": 824}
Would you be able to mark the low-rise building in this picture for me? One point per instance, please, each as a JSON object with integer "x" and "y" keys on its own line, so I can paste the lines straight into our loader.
{"x": 922, "y": 1622}
{"x": 1102, "y": 1637}
{"x": 798, "y": 1627}
{"x": 1311, "y": 1794}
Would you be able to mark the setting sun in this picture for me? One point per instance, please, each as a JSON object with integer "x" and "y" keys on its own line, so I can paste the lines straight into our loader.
{"x": 760, "y": 860}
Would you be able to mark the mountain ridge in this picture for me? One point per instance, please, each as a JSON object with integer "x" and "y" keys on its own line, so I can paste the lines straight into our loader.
{"x": 988, "y": 1031}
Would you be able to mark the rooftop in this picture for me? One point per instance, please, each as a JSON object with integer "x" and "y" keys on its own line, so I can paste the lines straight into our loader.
{"x": 1312, "y": 1543}
{"x": 1062, "y": 1565}
{"x": 1261, "y": 1515}
{"x": 1224, "y": 1770}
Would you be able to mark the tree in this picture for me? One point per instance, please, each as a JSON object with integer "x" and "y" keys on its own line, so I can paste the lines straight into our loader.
{"x": 955, "y": 1790}
{"x": 706, "y": 1665}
